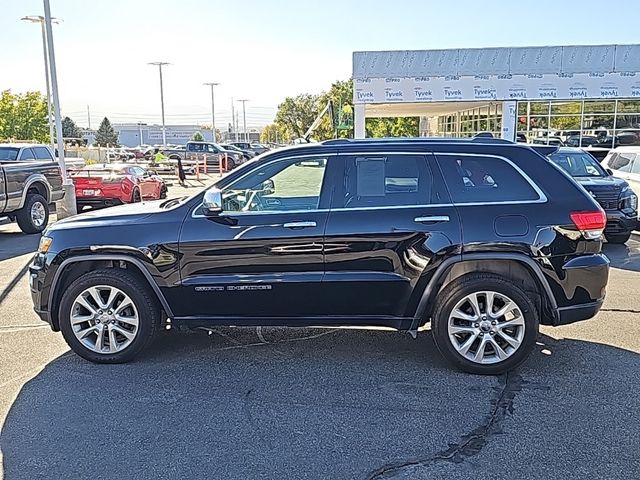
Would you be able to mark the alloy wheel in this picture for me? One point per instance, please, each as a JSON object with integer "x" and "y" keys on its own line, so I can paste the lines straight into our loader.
{"x": 486, "y": 327}
{"x": 104, "y": 319}
{"x": 38, "y": 214}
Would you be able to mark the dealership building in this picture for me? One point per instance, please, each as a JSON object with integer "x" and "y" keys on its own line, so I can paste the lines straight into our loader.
{"x": 576, "y": 93}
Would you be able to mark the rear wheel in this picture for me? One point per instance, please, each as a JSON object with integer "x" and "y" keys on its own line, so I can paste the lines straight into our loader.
{"x": 163, "y": 192}
{"x": 109, "y": 316}
{"x": 34, "y": 215}
{"x": 483, "y": 323}
{"x": 620, "y": 238}
{"x": 135, "y": 196}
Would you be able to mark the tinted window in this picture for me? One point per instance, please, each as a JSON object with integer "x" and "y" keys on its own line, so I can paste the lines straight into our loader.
{"x": 8, "y": 154}
{"x": 42, "y": 153}
{"x": 635, "y": 168}
{"x": 137, "y": 171}
{"x": 622, "y": 161}
{"x": 386, "y": 181}
{"x": 578, "y": 164}
{"x": 27, "y": 154}
{"x": 484, "y": 179}
{"x": 285, "y": 185}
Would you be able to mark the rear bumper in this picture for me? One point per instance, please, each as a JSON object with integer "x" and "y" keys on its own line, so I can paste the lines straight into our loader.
{"x": 98, "y": 202}
{"x": 577, "y": 313}
{"x": 56, "y": 195}
{"x": 620, "y": 224}
{"x": 580, "y": 289}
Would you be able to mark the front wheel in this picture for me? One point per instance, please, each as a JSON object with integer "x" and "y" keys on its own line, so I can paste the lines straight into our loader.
{"x": 109, "y": 316}
{"x": 34, "y": 216}
{"x": 620, "y": 238}
{"x": 483, "y": 323}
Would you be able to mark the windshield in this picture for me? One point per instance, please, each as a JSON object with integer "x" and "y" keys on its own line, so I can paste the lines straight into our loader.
{"x": 8, "y": 153}
{"x": 578, "y": 164}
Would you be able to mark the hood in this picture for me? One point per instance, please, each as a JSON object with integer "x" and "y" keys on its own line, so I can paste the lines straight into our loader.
{"x": 612, "y": 182}
{"x": 119, "y": 215}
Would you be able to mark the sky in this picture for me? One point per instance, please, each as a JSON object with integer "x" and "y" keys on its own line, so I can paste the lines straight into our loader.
{"x": 259, "y": 50}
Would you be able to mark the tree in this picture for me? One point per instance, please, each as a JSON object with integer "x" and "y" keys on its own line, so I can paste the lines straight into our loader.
{"x": 296, "y": 114}
{"x": 197, "y": 137}
{"x": 393, "y": 127}
{"x": 274, "y": 133}
{"x": 106, "y": 135}
{"x": 70, "y": 129}
{"x": 23, "y": 116}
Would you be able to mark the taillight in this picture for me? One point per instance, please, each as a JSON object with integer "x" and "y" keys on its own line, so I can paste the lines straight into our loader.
{"x": 590, "y": 224}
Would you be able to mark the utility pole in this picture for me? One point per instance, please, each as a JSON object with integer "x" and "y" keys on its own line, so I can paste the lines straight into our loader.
{"x": 89, "y": 117}
{"x": 164, "y": 130}
{"x": 244, "y": 119}
{"x": 213, "y": 111}
{"x": 68, "y": 203}
{"x": 41, "y": 20}
{"x": 233, "y": 120}
{"x": 140, "y": 132}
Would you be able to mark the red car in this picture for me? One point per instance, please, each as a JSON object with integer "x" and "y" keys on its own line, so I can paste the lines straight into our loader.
{"x": 109, "y": 184}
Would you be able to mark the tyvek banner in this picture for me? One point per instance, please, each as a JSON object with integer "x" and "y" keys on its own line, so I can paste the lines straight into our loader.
{"x": 497, "y": 87}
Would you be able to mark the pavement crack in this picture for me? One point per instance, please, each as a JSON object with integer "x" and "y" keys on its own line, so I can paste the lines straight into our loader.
{"x": 620, "y": 310}
{"x": 471, "y": 443}
{"x": 252, "y": 421}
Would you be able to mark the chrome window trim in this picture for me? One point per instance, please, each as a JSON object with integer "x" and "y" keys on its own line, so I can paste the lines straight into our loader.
{"x": 542, "y": 198}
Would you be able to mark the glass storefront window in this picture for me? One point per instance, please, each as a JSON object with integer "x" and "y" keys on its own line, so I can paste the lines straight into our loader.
{"x": 632, "y": 106}
{"x": 522, "y": 108}
{"x": 566, "y": 122}
{"x": 598, "y": 122}
{"x": 539, "y": 108}
{"x": 599, "y": 107}
{"x": 566, "y": 107}
{"x": 628, "y": 121}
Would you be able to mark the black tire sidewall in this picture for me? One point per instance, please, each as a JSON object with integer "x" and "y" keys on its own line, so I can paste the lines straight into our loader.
{"x": 133, "y": 196}
{"x": 148, "y": 314}
{"x": 466, "y": 285}
{"x": 25, "y": 222}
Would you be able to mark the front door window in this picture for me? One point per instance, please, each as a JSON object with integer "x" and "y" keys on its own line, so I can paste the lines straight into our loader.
{"x": 281, "y": 186}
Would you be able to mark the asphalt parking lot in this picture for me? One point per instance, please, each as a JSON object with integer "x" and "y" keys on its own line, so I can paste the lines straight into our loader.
{"x": 272, "y": 403}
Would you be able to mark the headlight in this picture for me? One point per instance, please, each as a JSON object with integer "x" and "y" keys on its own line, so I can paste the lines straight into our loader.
{"x": 628, "y": 200}
{"x": 45, "y": 244}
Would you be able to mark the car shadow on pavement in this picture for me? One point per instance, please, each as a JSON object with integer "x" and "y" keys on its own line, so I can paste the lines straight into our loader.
{"x": 14, "y": 244}
{"x": 316, "y": 403}
{"x": 624, "y": 257}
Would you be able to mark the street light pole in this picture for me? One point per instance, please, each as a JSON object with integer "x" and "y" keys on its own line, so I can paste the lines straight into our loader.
{"x": 40, "y": 19}
{"x": 68, "y": 203}
{"x": 244, "y": 119}
{"x": 213, "y": 110}
{"x": 164, "y": 131}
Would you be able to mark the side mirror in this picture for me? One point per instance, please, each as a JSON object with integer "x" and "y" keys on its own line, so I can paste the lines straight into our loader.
{"x": 212, "y": 202}
{"x": 268, "y": 187}
{"x": 609, "y": 171}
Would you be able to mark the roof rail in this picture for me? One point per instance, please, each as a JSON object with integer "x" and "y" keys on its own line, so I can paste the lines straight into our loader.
{"x": 347, "y": 141}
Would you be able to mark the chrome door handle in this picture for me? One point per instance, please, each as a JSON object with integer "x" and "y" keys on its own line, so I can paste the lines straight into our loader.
{"x": 299, "y": 225}
{"x": 432, "y": 219}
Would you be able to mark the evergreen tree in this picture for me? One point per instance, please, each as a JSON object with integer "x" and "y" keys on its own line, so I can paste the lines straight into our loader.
{"x": 106, "y": 135}
{"x": 70, "y": 129}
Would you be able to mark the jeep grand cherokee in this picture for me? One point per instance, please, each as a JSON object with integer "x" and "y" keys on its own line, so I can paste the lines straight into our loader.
{"x": 484, "y": 239}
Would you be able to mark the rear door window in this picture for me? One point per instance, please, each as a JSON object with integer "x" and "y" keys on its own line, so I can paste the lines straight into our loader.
{"x": 27, "y": 154}
{"x": 390, "y": 180}
{"x": 485, "y": 179}
{"x": 42, "y": 153}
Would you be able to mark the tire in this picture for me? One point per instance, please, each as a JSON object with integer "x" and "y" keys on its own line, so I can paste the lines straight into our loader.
{"x": 453, "y": 296}
{"x": 145, "y": 306}
{"x": 231, "y": 164}
{"x": 163, "y": 192}
{"x": 33, "y": 217}
{"x": 619, "y": 238}
{"x": 135, "y": 196}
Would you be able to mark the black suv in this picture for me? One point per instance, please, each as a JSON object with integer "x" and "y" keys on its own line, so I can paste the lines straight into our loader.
{"x": 613, "y": 194}
{"x": 486, "y": 239}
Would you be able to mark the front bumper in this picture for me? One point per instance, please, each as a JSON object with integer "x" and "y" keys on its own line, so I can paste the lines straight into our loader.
{"x": 36, "y": 286}
{"x": 620, "y": 224}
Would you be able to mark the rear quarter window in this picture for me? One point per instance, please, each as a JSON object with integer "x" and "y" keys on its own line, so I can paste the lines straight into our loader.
{"x": 486, "y": 179}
